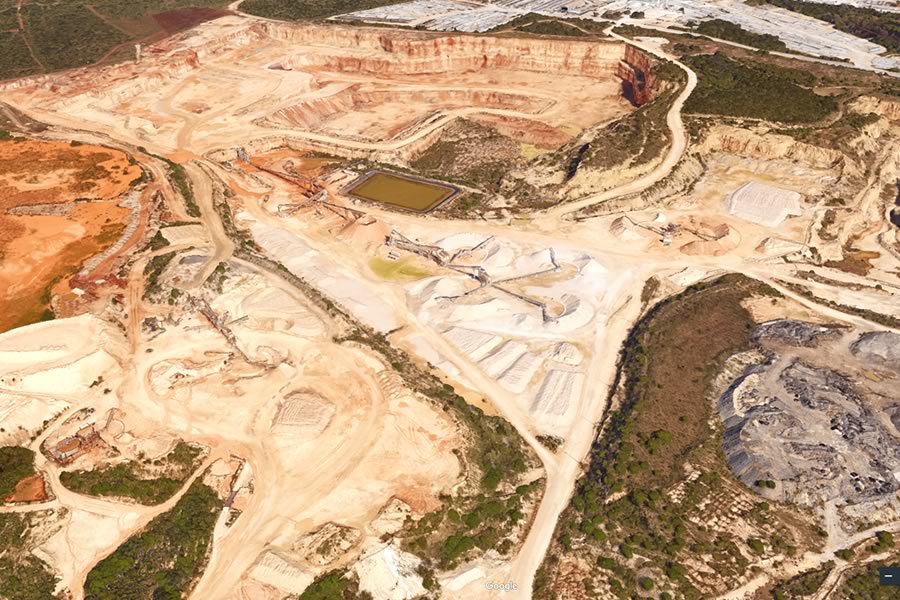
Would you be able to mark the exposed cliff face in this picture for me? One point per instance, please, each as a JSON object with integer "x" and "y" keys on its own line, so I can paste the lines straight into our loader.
{"x": 885, "y": 107}
{"x": 636, "y": 73}
{"x": 310, "y": 114}
{"x": 743, "y": 142}
{"x": 381, "y": 51}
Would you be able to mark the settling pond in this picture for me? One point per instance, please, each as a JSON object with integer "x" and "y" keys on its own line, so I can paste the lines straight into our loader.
{"x": 401, "y": 191}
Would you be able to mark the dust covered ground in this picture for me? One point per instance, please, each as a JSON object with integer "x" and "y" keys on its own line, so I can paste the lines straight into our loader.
{"x": 333, "y": 395}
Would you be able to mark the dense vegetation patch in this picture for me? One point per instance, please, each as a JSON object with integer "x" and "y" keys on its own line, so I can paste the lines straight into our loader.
{"x": 336, "y": 585}
{"x": 544, "y": 25}
{"x": 732, "y": 32}
{"x": 863, "y": 583}
{"x": 23, "y": 576}
{"x": 883, "y": 28}
{"x": 132, "y": 480}
{"x": 294, "y": 10}
{"x": 754, "y": 90}
{"x": 182, "y": 183}
{"x": 62, "y": 34}
{"x": 163, "y": 561}
{"x": 152, "y": 272}
{"x": 16, "y": 463}
{"x": 446, "y": 537}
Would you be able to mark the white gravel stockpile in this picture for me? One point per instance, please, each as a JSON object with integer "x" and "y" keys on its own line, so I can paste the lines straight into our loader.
{"x": 279, "y": 573}
{"x": 476, "y": 344}
{"x": 516, "y": 378}
{"x": 567, "y": 354}
{"x": 390, "y": 574}
{"x": 763, "y": 204}
{"x": 503, "y": 358}
{"x": 557, "y": 392}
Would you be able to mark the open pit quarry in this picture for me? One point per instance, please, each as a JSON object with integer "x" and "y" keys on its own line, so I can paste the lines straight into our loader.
{"x": 342, "y": 90}
{"x": 381, "y": 392}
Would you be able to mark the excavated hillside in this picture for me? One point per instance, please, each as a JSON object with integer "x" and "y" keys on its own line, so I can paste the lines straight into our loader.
{"x": 391, "y": 52}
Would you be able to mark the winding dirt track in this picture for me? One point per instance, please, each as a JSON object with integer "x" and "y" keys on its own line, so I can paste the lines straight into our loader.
{"x": 261, "y": 520}
{"x": 676, "y": 149}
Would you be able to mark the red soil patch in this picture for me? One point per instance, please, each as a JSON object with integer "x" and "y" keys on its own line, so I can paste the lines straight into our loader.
{"x": 30, "y": 489}
{"x": 173, "y": 21}
{"x": 40, "y": 251}
{"x": 39, "y": 172}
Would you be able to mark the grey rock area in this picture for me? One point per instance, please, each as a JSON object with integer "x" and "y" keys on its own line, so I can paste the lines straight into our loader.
{"x": 794, "y": 333}
{"x": 804, "y": 417}
{"x": 879, "y": 347}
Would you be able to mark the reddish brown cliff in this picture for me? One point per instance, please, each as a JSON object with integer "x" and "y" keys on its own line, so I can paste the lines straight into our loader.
{"x": 639, "y": 84}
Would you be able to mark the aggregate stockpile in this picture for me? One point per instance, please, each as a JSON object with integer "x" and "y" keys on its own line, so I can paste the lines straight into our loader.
{"x": 811, "y": 432}
{"x": 408, "y": 53}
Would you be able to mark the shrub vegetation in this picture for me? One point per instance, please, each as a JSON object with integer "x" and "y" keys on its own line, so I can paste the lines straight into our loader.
{"x": 16, "y": 463}
{"x": 23, "y": 576}
{"x": 732, "y": 32}
{"x": 755, "y": 90}
{"x": 163, "y": 561}
{"x": 294, "y": 10}
{"x": 129, "y": 480}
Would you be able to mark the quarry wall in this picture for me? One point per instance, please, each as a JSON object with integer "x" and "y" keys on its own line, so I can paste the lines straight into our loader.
{"x": 636, "y": 71}
{"x": 381, "y": 51}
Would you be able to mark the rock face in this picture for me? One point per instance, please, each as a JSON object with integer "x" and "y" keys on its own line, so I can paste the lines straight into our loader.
{"x": 391, "y": 52}
{"x": 636, "y": 73}
{"x": 880, "y": 347}
{"x": 807, "y": 429}
{"x": 733, "y": 140}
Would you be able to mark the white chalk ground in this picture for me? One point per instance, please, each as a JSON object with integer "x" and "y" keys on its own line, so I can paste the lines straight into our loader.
{"x": 83, "y": 535}
{"x": 273, "y": 569}
{"x": 327, "y": 275}
{"x": 388, "y": 573}
{"x": 47, "y": 367}
{"x": 184, "y": 234}
{"x": 763, "y": 204}
{"x": 327, "y": 432}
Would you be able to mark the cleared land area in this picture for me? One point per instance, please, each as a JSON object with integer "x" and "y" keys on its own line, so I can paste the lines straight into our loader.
{"x": 880, "y": 27}
{"x": 48, "y": 229}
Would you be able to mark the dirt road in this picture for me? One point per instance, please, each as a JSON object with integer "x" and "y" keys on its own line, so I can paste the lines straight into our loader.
{"x": 676, "y": 148}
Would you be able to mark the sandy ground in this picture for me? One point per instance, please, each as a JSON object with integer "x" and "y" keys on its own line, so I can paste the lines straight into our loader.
{"x": 191, "y": 388}
{"x": 271, "y": 80}
{"x": 328, "y": 432}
